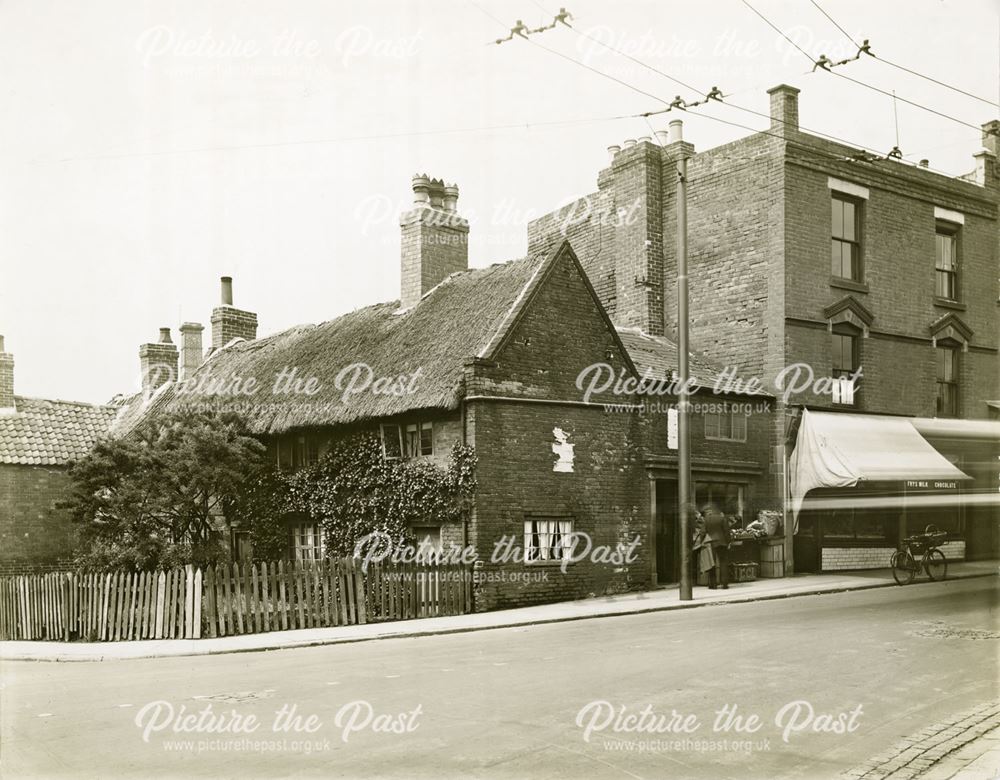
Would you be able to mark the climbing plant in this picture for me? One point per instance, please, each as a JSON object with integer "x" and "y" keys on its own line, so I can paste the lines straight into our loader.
{"x": 354, "y": 491}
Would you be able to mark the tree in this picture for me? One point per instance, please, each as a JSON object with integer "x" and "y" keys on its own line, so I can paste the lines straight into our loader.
{"x": 154, "y": 498}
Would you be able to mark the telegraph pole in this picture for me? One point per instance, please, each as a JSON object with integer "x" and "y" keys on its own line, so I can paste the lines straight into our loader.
{"x": 683, "y": 405}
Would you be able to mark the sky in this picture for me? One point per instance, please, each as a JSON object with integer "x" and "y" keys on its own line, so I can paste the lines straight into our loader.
{"x": 150, "y": 148}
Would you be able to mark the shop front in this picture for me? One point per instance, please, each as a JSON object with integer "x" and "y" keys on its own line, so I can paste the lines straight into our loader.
{"x": 736, "y": 489}
{"x": 861, "y": 483}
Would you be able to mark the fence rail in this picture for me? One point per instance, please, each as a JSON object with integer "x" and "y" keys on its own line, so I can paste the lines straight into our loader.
{"x": 189, "y": 603}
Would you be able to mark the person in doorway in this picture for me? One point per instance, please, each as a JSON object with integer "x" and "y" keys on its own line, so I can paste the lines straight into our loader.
{"x": 718, "y": 538}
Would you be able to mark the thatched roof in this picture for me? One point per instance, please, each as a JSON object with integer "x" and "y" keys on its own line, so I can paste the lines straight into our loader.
{"x": 461, "y": 318}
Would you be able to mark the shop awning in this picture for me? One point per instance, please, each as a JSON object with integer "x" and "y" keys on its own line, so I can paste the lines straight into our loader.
{"x": 841, "y": 450}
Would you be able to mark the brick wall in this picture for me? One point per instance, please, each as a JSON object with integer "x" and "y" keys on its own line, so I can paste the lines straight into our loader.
{"x": 606, "y": 492}
{"x": 34, "y": 535}
{"x": 434, "y": 244}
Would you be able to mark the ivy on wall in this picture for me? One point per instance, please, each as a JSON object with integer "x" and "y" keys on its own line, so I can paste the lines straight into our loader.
{"x": 354, "y": 491}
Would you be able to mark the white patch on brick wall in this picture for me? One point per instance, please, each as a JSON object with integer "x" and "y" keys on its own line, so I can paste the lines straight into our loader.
{"x": 563, "y": 451}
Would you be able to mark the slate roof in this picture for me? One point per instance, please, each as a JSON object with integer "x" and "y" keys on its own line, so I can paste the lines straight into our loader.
{"x": 48, "y": 433}
{"x": 658, "y": 356}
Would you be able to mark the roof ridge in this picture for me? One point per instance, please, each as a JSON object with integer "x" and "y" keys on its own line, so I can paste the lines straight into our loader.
{"x": 86, "y": 404}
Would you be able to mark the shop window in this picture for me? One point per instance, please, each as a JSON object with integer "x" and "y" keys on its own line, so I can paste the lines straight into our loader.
{"x": 547, "y": 539}
{"x": 846, "y": 237}
{"x": 729, "y": 497}
{"x": 946, "y": 261}
{"x": 725, "y": 423}
{"x": 947, "y": 381}
{"x": 307, "y": 541}
{"x": 858, "y": 524}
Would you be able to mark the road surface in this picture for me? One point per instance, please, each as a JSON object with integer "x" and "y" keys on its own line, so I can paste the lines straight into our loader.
{"x": 557, "y": 701}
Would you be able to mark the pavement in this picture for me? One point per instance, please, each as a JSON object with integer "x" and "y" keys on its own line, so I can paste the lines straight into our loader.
{"x": 609, "y": 606}
{"x": 766, "y": 685}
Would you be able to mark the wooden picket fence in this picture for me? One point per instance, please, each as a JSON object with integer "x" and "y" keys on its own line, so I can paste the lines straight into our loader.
{"x": 108, "y": 606}
{"x": 189, "y": 603}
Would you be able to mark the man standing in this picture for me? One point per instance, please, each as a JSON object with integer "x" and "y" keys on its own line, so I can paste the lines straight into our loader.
{"x": 717, "y": 533}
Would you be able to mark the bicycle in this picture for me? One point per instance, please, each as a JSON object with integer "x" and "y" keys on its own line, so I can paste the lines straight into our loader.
{"x": 904, "y": 563}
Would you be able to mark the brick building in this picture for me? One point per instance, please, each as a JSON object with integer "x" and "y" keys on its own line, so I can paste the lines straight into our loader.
{"x": 39, "y": 438}
{"x": 489, "y": 357}
{"x": 806, "y": 251}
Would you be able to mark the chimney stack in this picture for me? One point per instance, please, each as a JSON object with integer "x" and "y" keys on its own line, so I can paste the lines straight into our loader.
{"x": 784, "y": 109}
{"x": 228, "y": 322}
{"x": 435, "y": 239}
{"x": 191, "y": 349}
{"x": 158, "y": 363}
{"x": 7, "y": 405}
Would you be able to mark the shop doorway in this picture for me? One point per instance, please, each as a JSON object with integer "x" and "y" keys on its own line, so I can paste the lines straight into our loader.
{"x": 667, "y": 552}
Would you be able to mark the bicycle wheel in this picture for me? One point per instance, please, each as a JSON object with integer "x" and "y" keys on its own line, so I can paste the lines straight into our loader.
{"x": 935, "y": 565}
{"x": 902, "y": 567}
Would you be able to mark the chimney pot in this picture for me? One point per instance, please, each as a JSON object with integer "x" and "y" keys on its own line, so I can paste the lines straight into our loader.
{"x": 421, "y": 190}
{"x": 165, "y": 336}
{"x": 676, "y": 132}
{"x": 629, "y": 143}
{"x": 662, "y": 137}
{"x": 613, "y": 150}
{"x": 227, "y": 290}
{"x": 645, "y": 139}
{"x": 451, "y": 198}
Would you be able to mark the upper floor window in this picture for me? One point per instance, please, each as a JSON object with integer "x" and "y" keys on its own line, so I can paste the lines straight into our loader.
{"x": 411, "y": 440}
{"x": 723, "y": 422}
{"x": 846, "y": 241}
{"x": 844, "y": 347}
{"x": 295, "y": 451}
{"x": 946, "y": 261}
{"x": 947, "y": 381}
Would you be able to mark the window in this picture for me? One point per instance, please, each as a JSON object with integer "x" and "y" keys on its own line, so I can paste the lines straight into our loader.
{"x": 307, "y": 541}
{"x": 419, "y": 439}
{"x": 946, "y": 261}
{"x": 729, "y": 497}
{"x": 947, "y": 381}
{"x": 428, "y": 543}
{"x": 294, "y": 452}
{"x": 412, "y": 440}
{"x": 547, "y": 539}
{"x": 844, "y": 347}
{"x": 392, "y": 442}
{"x": 725, "y": 423}
{"x": 846, "y": 244}
{"x": 857, "y": 524}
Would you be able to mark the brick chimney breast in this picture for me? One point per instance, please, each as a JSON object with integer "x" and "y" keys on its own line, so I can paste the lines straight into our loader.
{"x": 784, "y": 109}
{"x": 158, "y": 363}
{"x": 228, "y": 322}
{"x": 7, "y": 405}
{"x": 434, "y": 239}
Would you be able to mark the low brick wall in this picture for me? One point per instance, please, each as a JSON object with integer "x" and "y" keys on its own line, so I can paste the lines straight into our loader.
{"x": 846, "y": 558}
